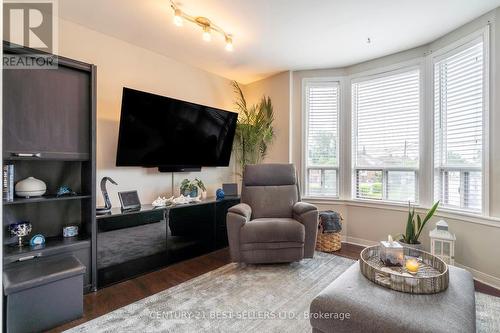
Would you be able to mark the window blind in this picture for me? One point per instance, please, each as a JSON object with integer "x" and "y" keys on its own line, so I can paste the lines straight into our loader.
{"x": 322, "y": 112}
{"x": 386, "y": 136}
{"x": 458, "y": 140}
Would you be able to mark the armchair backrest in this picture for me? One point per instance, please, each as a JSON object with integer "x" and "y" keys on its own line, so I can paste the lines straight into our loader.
{"x": 270, "y": 190}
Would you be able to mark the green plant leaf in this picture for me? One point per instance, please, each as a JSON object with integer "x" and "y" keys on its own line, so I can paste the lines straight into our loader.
{"x": 431, "y": 212}
{"x": 254, "y": 130}
{"x": 409, "y": 229}
{"x": 429, "y": 215}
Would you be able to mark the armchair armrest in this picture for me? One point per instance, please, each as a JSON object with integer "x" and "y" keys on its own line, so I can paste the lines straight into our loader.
{"x": 241, "y": 209}
{"x": 236, "y": 218}
{"x": 307, "y": 214}
{"x": 301, "y": 208}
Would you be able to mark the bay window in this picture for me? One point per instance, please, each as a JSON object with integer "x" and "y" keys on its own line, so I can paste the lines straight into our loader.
{"x": 393, "y": 115}
{"x": 321, "y": 138}
{"x": 385, "y": 149}
{"x": 458, "y": 120}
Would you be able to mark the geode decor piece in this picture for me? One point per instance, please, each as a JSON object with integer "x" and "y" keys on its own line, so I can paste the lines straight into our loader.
{"x": 20, "y": 229}
{"x": 64, "y": 191}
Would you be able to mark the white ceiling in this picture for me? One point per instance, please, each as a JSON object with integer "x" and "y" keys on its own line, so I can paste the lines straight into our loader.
{"x": 275, "y": 35}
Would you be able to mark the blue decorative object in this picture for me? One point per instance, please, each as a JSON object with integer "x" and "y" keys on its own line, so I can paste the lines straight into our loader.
{"x": 70, "y": 231}
{"x": 194, "y": 193}
{"x": 36, "y": 240}
{"x": 219, "y": 194}
{"x": 65, "y": 191}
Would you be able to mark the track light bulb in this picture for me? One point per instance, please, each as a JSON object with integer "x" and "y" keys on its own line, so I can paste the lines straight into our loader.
{"x": 229, "y": 44}
{"x": 207, "y": 37}
{"x": 178, "y": 18}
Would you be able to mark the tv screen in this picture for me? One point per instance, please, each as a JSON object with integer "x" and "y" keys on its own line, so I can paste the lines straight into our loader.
{"x": 158, "y": 131}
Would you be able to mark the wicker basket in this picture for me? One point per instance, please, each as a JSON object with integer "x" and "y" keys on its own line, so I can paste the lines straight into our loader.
{"x": 330, "y": 241}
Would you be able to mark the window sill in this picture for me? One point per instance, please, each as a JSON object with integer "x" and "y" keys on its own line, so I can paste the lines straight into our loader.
{"x": 441, "y": 212}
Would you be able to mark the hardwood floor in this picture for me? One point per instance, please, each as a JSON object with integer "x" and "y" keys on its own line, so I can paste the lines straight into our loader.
{"x": 116, "y": 296}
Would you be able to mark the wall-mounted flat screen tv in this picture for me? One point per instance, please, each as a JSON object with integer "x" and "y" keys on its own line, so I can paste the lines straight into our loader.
{"x": 159, "y": 131}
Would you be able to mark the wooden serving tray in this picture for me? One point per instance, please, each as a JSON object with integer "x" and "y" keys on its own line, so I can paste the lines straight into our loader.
{"x": 432, "y": 276}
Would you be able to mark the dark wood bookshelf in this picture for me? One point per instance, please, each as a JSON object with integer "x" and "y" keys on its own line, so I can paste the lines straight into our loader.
{"x": 55, "y": 110}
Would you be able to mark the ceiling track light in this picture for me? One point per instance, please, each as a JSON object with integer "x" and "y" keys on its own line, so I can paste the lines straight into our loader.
{"x": 206, "y": 25}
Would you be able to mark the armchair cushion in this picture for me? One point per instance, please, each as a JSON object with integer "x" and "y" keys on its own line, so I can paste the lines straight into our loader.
{"x": 266, "y": 230}
{"x": 270, "y": 246}
{"x": 269, "y": 175}
{"x": 270, "y": 201}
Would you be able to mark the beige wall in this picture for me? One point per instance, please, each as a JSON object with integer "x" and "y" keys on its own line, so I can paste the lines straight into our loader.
{"x": 122, "y": 64}
{"x": 278, "y": 88}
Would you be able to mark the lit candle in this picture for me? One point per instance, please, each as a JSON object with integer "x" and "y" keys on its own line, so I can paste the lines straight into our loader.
{"x": 412, "y": 265}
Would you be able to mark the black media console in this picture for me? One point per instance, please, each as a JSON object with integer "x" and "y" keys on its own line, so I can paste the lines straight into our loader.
{"x": 135, "y": 242}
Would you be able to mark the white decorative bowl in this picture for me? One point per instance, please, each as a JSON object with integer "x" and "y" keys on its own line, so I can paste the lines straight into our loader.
{"x": 30, "y": 187}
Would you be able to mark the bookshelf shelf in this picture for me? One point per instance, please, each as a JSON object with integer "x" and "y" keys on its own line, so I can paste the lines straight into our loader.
{"x": 45, "y": 198}
{"x": 53, "y": 245}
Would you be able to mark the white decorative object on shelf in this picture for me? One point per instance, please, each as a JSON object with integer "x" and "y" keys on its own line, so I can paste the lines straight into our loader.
{"x": 162, "y": 201}
{"x": 180, "y": 200}
{"x": 443, "y": 243}
{"x": 30, "y": 187}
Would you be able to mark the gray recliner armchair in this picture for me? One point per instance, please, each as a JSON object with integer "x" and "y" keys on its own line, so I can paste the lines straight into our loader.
{"x": 271, "y": 224}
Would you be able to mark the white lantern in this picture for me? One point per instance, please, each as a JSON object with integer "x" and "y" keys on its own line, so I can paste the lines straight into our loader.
{"x": 443, "y": 243}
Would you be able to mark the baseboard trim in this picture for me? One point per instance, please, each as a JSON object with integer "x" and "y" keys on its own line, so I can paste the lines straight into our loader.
{"x": 487, "y": 279}
{"x": 359, "y": 241}
{"x": 484, "y": 278}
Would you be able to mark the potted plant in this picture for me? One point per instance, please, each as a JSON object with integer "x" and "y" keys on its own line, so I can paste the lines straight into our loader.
{"x": 254, "y": 129}
{"x": 189, "y": 188}
{"x": 413, "y": 229}
{"x": 202, "y": 187}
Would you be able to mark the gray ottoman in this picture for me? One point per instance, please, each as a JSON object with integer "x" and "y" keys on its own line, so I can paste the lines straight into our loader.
{"x": 43, "y": 293}
{"x": 352, "y": 303}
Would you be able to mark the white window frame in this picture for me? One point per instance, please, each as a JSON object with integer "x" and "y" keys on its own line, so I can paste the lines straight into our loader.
{"x": 435, "y": 57}
{"x": 305, "y": 134}
{"x": 416, "y": 64}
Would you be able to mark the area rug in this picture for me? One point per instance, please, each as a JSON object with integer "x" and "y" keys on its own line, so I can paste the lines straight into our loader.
{"x": 247, "y": 298}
